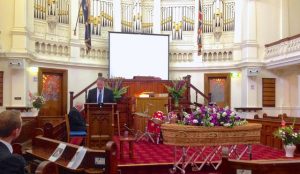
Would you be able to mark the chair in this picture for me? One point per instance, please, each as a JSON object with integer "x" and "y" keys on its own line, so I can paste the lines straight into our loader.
{"x": 77, "y": 136}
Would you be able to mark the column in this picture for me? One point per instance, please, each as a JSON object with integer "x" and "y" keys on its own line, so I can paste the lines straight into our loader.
{"x": 239, "y": 10}
{"x": 284, "y": 19}
{"x": 19, "y": 40}
{"x": 196, "y": 16}
{"x": 250, "y": 47}
{"x": 117, "y": 11}
{"x": 156, "y": 16}
{"x": 74, "y": 41}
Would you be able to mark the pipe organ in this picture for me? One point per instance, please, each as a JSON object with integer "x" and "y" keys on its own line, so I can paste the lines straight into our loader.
{"x": 127, "y": 17}
{"x": 43, "y": 9}
{"x": 218, "y": 13}
{"x": 178, "y": 17}
{"x": 137, "y": 17}
{"x": 101, "y": 15}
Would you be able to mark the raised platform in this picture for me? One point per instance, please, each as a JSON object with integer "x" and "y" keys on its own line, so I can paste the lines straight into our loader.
{"x": 158, "y": 158}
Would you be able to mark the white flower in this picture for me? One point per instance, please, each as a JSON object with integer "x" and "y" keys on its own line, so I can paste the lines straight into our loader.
{"x": 214, "y": 110}
{"x": 187, "y": 116}
{"x": 227, "y": 124}
{"x": 218, "y": 115}
{"x": 195, "y": 121}
{"x": 232, "y": 114}
{"x": 198, "y": 110}
{"x": 212, "y": 124}
{"x": 224, "y": 114}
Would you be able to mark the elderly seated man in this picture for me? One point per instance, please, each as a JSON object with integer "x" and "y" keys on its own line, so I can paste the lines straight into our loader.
{"x": 77, "y": 122}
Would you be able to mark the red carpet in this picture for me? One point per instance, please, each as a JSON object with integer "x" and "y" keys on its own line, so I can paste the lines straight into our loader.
{"x": 149, "y": 153}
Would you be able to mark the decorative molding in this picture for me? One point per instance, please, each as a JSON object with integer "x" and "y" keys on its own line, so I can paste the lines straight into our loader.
{"x": 34, "y": 59}
{"x": 217, "y": 55}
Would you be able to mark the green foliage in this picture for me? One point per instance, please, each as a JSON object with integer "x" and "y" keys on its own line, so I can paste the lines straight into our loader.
{"x": 177, "y": 89}
{"x": 116, "y": 86}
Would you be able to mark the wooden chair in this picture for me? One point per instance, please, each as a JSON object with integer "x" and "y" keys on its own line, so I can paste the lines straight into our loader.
{"x": 73, "y": 134}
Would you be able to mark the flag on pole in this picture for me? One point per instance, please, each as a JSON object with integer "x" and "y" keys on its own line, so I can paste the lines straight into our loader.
{"x": 200, "y": 24}
{"x": 87, "y": 35}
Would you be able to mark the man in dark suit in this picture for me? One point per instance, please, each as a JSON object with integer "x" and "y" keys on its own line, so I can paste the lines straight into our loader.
{"x": 76, "y": 120}
{"x": 100, "y": 94}
{"x": 10, "y": 128}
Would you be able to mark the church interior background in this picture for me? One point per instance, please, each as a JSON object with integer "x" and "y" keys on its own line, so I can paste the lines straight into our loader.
{"x": 251, "y": 40}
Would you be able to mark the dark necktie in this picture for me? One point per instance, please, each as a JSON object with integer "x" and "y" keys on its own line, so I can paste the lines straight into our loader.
{"x": 99, "y": 97}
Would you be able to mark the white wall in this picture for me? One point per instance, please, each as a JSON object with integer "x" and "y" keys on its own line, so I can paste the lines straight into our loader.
{"x": 294, "y": 13}
{"x": 268, "y": 23}
{"x": 78, "y": 79}
{"x": 6, "y": 24}
{"x": 287, "y": 91}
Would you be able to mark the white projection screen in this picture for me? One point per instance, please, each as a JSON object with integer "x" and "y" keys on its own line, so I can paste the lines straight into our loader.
{"x": 138, "y": 55}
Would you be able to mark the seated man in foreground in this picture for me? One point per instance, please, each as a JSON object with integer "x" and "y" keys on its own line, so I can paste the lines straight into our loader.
{"x": 10, "y": 128}
{"x": 77, "y": 123}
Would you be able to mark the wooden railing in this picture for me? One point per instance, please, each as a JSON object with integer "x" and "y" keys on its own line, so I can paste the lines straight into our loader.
{"x": 198, "y": 92}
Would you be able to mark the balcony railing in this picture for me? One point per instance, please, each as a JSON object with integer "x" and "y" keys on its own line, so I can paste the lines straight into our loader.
{"x": 282, "y": 47}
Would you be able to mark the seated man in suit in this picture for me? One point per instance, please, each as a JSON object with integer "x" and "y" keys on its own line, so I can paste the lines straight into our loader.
{"x": 10, "y": 128}
{"x": 100, "y": 94}
{"x": 76, "y": 120}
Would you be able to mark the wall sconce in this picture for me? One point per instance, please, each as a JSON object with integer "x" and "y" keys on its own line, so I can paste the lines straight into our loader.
{"x": 34, "y": 69}
{"x": 235, "y": 75}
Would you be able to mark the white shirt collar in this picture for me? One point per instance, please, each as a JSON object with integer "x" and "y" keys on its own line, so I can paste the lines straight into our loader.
{"x": 7, "y": 145}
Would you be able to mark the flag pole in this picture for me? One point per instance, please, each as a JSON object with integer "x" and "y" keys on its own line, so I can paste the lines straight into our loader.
{"x": 77, "y": 18}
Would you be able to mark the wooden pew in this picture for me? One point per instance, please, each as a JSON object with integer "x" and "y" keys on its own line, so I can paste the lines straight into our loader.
{"x": 47, "y": 167}
{"x": 55, "y": 131}
{"x": 42, "y": 149}
{"x": 269, "y": 125}
{"x": 278, "y": 166}
{"x": 26, "y": 135}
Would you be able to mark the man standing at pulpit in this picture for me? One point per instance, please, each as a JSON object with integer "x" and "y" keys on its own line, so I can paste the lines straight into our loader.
{"x": 100, "y": 94}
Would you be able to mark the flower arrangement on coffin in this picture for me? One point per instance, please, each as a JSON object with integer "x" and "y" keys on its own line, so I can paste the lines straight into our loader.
{"x": 210, "y": 116}
{"x": 289, "y": 136}
{"x": 171, "y": 117}
{"x": 115, "y": 84}
{"x": 176, "y": 90}
{"x": 37, "y": 101}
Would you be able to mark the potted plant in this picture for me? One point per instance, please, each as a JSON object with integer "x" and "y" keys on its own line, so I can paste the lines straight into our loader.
{"x": 176, "y": 90}
{"x": 289, "y": 136}
{"x": 115, "y": 85}
{"x": 37, "y": 102}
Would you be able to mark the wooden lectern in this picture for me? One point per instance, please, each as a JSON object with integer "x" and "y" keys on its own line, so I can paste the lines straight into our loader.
{"x": 100, "y": 124}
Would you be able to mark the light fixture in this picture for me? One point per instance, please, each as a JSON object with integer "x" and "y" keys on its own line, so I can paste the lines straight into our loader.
{"x": 235, "y": 75}
{"x": 34, "y": 69}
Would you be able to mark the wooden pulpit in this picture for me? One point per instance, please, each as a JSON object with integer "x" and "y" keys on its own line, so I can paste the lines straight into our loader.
{"x": 100, "y": 124}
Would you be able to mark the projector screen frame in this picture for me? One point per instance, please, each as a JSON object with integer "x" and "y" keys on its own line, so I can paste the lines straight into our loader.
{"x": 109, "y": 32}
